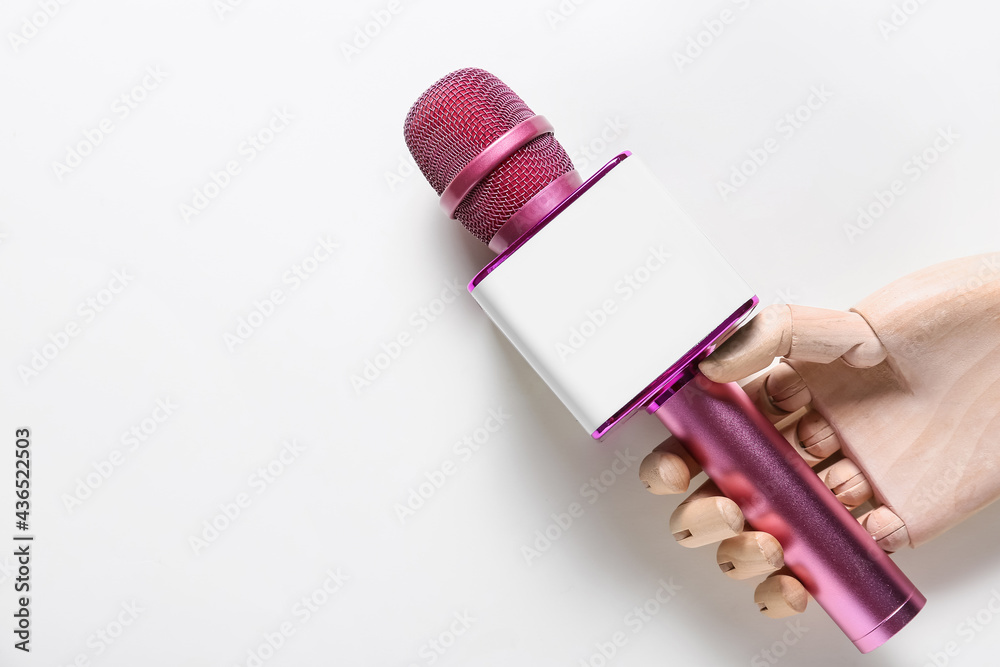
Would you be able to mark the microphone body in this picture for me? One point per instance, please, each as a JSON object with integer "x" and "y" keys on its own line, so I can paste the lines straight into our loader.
{"x": 613, "y": 296}
{"x": 859, "y": 586}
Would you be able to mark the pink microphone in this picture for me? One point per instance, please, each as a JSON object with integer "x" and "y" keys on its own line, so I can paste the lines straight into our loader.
{"x": 613, "y": 296}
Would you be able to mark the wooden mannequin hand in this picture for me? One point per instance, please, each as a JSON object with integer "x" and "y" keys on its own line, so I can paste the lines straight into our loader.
{"x": 896, "y": 404}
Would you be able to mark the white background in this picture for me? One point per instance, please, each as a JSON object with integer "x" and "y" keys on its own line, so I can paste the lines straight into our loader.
{"x": 335, "y": 506}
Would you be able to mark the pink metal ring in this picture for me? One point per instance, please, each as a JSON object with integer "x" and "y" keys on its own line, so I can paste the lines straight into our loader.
{"x": 491, "y": 157}
{"x": 535, "y": 209}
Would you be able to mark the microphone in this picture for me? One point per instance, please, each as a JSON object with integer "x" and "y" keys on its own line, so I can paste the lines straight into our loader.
{"x": 613, "y": 296}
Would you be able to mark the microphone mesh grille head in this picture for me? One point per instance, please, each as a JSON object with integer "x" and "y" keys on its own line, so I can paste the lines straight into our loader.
{"x": 454, "y": 121}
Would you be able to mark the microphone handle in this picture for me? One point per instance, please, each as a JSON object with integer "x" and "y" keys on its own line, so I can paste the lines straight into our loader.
{"x": 825, "y": 547}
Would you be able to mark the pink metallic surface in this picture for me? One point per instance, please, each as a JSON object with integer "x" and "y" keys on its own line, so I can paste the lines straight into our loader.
{"x": 490, "y": 158}
{"x": 537, "y": 208}
{"x": 462, "y": 116}
{"x": 559, "y": 207}
{"x": 840, "y": 565}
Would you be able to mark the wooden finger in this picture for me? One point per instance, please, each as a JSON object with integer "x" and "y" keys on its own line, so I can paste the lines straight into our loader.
{"x": 781, "y": 595}
{"x": 816, "y": 437}
{"x": 668, "y": 468}
{"x": 705, "y": 517}
{"x": 888, "y": 529}
{"x": 798, "y": 333}
{"x": 790, "y": 433}
{"x": 753, "y": 348}
{"x": 749, "y": 554}
{"x": 821, "y": 335}
{"x": 777, "y": 416}
{"x": 847, "y": 482}
{"x": 785, "y": 389}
